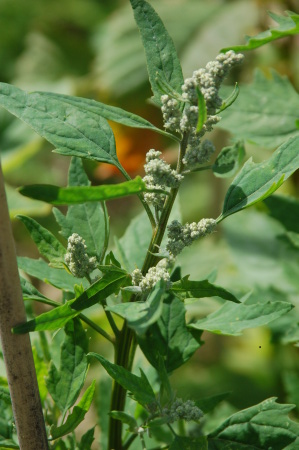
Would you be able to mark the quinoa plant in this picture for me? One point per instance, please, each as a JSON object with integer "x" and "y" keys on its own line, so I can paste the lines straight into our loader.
{"x": 140, "y": 287}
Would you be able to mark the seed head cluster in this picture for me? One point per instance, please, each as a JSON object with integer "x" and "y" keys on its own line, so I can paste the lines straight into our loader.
{"x": 155, "y": 274}
{"x": 181, "y": 236}
{"x": 76, "y": 257}
{"x": 208, "y": 81}
{"x": 182, "y": 410}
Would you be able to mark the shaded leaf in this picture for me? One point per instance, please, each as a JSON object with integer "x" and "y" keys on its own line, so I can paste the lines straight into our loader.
{"x": 287, "y": 26}
{"x": 46, "y": 242}
{"x": 30, "y": 292}
{"x": 229, "y": 160}
{"x": 78, "y": 414}
{"x": 71, "y": 129}
{"x": 161, "y": 55}
{"x": 140, "y": 315}
{"x": 255, "y": 182}
{"x": 285, "y": 209}
{"x": 188, "y": 443}
{"x": 207, "y": 404}
{"x": 265, "y": 425}
{"x": 65, "y": 384}
{"x": 87, "y": 440}
{"x": 231, "y": 319}
{"x": 138, "y": 386}
{"x": 265, "y": 112}
{"x": 186, "y": 288}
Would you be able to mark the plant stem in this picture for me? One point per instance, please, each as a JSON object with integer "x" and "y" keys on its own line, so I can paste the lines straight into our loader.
{"x": 126, "y": 341}
{"x": 97, "y": 328}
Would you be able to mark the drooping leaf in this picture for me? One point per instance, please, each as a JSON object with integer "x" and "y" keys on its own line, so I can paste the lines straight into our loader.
{"x": 256, "y": 114}
{"x": 138, "y": 386}
{"x": 65, "y": 384}
{"x": 189, "y": 443}
{"x": 46, "y": 242}
{"x": 141, "y": 315}
{"x": 255, "y": 182}
{"x": 77, "y": 415}
{"x": 89, "y": 220}
{"x": 170, "y": 338}
{"x": 161, "y": 55}
{"x": 58, "y": 317}
{"x": 109, "y": 112}
{"x": 287, "y": 26}
{"x": 38, "y": 268}
{"x": 231, "y": 319}
{"x": 228, "y": 161}
{"x": 186, "y": 288}
{"x": 262, "y": 426}
{"x": 71, "y": 129}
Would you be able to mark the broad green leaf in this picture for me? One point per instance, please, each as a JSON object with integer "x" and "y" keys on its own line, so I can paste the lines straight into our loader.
{"x": 89, "y": 220}
{"x": 138, "y": 386}
{"x": 58, "y": 317}
{"x": 229, "y": 160}
{"x": 262, "y": 426}
{"x": 255, "y": 182}
{"x": 125, "y": 418}
{"x": 80, "y": 194}
{"x": 87, "y": 440}
{"x": 65, "y": 384}
{"x": 231, "y": 319}
{"x": 77, "y": 415}
{"x": 71, "y": 129}
{"x": 140, "y": 315}
{"x": 287, "y": 26}
{"x": 38, "y": 268}
{"x": 285, "y": 209}
{"x": 46, "y": 242}
{"x": 265, "y": 112}
{"x": 189, "y": 443}
{"x": 160, "y": 52}
{"x": 109, "y": 112}
{"x": 170, "y": 337}
{"x": 186, "y": 288}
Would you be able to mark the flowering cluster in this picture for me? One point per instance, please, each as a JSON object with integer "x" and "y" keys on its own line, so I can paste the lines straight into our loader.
{"x": 182, "y": 410}
{"x": 159, "y": 175}
{"x": 76, "y": 257}
{"x": 152, "y": 277}
{"x": 181, "y": 236}
{"x": 208, "y": 81}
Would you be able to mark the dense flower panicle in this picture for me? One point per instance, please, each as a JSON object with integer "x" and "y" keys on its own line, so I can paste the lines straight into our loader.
{"x": 199, "y": 152}
{"x": 181, "y": 236}
{"x": 180, "y": 410}
{"x": 171, "y": 113}
{"x": 76, "y": 257}
{"x": 155, "y": 274}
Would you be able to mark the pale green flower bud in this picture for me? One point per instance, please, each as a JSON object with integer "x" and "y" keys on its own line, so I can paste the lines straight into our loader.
{"x": 76, "y": 257}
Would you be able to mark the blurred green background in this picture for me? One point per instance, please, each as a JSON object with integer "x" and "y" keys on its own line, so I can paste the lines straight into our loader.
{"x": 91, "y": 48}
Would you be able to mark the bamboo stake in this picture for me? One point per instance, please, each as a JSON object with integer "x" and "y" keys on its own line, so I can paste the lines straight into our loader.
{"x": 16, "y": 349}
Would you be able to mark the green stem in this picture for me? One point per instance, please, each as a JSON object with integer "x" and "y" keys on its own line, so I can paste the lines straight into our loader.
{"x": 97, "y": 328}
{"x": 126, "y": 341}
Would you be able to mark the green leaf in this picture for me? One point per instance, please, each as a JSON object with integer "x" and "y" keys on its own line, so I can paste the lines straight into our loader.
{"x": 291, "y": 385}
{"x": 8, "y": 444}
{"x": 65, "y": 384}
{"x": 30, "y": 292}
{"x": 170, "y": 337}
{"x": 262, "y": 426}
{"x": 231, "y": 319}
{"x": 71, "y": 129}
{"x": 202, "y": 110}
{"x": 87, "y": 440}
{"x": 140, "y": 315}
{"x": 230, "y": 99}
{"x": 89, "y": 220}
{"x": 160, "y": 52}
{"x": 186, "y": 288}
{"x": 77, "y": 416}
{"x": 38, "y": 268}
{"x": 188, "y": 443}
{"x": 255, "y": 182}
{"x": 265, "y": 112}
{"x": 5, "y": 395}
{"x": 287, "y": 26}
{"x": 285, "y": 209}
{"x": 81, "y": 194}
{"x": 229, "y": 160}
{"x": 58, "y": 317}
{"x": 46, "y": 242}
{"x": 125, "y": 418}
{"x": 109, "y": 112}
{"x": 138, "y": 386}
